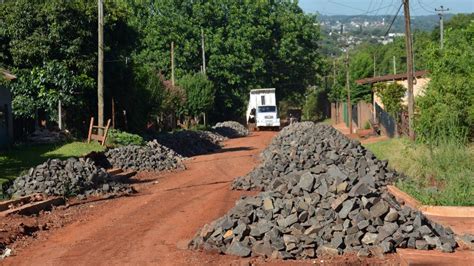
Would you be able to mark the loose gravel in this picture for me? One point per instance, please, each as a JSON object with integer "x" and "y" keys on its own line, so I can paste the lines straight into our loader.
{"x": 231, "y": 129}
{"x": 71, "y": 177}
{"x": 324, "y": 195}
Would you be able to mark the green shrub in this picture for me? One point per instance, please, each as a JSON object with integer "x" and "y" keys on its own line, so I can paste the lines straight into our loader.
{"x": 447, "y": 108}
{"x": 314, "y": 104}
{"x": 121, "y": 138}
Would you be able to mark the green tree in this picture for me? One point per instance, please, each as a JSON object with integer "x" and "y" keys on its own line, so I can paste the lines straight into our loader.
{"x": 447, "y": 108}
{"x": 43, "y": 87}
{"x": 199, "y": 94}
{"x": 249, "y": 44}
{"x": 39, "y": 35}
{"x": 391, "y": 96}
{"x": 314, "y": 104}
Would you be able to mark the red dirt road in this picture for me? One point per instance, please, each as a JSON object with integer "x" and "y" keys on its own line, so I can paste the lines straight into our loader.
{"x": 153, "y": 226}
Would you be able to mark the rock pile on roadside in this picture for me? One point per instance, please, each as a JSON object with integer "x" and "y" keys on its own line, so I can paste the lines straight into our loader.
{"x": 231, "y": 129}
{"x": 314, "y": 147}
{"x": 190, "y": 143}
{"x": 67, "y": 178}
{"x": 324, "y": 195}
{"x": 213, "y": 136}
{"x": 151, "y": 157}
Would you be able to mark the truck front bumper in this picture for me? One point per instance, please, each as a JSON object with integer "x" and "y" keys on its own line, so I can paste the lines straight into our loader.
{"x": 268, "y": 123}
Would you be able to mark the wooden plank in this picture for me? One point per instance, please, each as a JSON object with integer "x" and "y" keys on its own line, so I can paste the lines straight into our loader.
{"x": 90, "y": 130}
{"x": 4, "y": 205}
{"x": 441, "y": 211}
{"x": 105, "y": 133}
{"x": 127, "y": 174}
{"x": 402, "y": 196}
{"x": 114, "y": 171}
{"x": 96, "y": 137}
{"x": 35, "y": 207}
{"x": 99, "y": 137}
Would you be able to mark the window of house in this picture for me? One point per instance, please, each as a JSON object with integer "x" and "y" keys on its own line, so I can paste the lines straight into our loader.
{"x": 263, "y": 99}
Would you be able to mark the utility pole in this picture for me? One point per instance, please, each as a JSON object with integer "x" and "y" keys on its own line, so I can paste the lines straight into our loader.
{"x": 172, "y": 64}
{"x": 100, "y": 74}
{"x": 60, "y": 115}
{"x": 394, "y": 66}
{"x": 349, "y": 105}
{"x": 441, "y": 11}
{"x": 173, "y": 115}
{"x": 333, "y": 85}
{"x": 113, "y": 112}
{"x": 203, "y": 53}
{"x": 409, "y": 52}
{"x": 374, "y": 65}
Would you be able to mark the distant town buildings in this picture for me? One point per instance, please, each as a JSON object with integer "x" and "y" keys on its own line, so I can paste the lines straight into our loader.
{"x": 352, "y": 32}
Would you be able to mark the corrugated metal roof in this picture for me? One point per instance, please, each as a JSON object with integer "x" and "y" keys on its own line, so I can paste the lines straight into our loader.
{"x": 401, "y": 76}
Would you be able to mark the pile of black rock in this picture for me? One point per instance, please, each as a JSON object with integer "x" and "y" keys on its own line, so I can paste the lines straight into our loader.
{"x": 71, "y": 177}
{"x": 324, "y": 195}
{"x": 230, "y": 129}
{"x": 190, "y": 143}
{"x": 290, "y": 151}
{"x": 150, "y": 157}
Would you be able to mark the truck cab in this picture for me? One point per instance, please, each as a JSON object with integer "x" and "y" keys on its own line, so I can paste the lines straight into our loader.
{"x": 267, "y": 116}
{"x": 262, "y": 110}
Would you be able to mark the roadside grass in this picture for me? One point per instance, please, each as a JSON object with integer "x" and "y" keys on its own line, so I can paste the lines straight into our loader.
{"x": 442, "y": 175}
{"x": 327, "y": 121}
{"x": 20, "y": 158}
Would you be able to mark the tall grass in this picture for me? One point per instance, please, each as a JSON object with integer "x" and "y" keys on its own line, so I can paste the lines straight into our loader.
{"x": 437, "y": 174}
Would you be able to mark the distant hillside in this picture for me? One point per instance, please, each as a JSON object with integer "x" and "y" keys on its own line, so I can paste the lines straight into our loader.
{"x": 378, "y": 23}
{"x": 368, "y": 29}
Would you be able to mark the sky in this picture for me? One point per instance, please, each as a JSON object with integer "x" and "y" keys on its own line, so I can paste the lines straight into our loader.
{"x": 383, "y": 7}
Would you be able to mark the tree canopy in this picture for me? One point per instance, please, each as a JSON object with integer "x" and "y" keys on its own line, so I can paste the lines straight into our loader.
{"x": 248, "y": 44}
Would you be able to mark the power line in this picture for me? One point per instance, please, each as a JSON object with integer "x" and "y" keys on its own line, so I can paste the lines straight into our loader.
{"x": 379, "y": 8}
{"x": 370, "y": 5}
{"x": 393, "y": 20}
{"x": 424, "y": 8}
{"x": 363, "y": 14}
{"x": 347, "y": 6}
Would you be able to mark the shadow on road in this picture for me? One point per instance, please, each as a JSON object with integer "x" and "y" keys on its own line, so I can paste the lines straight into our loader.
{"x": 234, "y": 149}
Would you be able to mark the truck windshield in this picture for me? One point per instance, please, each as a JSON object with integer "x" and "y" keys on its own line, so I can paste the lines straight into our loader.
{"x": 266, "y": 109}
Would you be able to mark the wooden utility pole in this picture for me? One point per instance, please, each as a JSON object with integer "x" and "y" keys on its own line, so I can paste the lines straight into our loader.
{"x": 203, "y": 53}
{"x": 374, "y": 66}
{"x": 100, "y": 73}
{"x": 60, "y": 115}
{"x": 113, "y": 112}
{"x": 410, "y": 71}
{"x": 394, "y": 66}
{"x": 441, "y": 11}
{"x": 349, "y": 105}
{"x": 172, "y": 64}
{"x": 333, "y": 85}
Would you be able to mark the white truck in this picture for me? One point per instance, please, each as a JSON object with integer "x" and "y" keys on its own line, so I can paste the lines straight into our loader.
{"x": 262, "y": 109}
